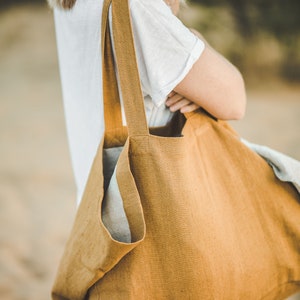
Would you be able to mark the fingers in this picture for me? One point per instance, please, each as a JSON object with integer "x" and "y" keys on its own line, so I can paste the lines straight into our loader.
{"x": 173, "y": 98}
{"x": 178, "y": 105}
{"x": 171, "y": 94}
{"x": 189, "y": 108}
{"x": 177, "y": 102}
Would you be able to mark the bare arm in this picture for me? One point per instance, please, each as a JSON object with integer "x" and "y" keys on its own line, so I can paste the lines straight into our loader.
{"x": 214, "y": 84}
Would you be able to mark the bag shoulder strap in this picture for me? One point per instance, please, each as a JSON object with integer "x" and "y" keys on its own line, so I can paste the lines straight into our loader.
{"x": 127, "y": 69}
{"x": 111, "y": 101}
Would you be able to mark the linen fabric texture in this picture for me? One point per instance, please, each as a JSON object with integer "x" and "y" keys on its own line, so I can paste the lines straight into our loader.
{"x": 285, "y": 168}
{"x": 207, "y": 216}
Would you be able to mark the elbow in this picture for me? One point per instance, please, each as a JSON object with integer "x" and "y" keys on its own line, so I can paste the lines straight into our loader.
{"x": 238, "y": 114}
{"x": 233, "y": 99}
{"x": 239, "y": 99}
{"x": 239, "y": 111}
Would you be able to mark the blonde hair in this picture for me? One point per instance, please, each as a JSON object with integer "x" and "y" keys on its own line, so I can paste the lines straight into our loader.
{"x": 65, "y": 4}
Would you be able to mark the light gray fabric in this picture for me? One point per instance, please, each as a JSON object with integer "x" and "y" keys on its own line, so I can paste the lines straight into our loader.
{"x": 113, "y": 214}
{"x": 285, "y": 168}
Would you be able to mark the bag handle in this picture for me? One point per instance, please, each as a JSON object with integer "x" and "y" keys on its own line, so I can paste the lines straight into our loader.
{"x": 127, "y": 70}
{"x": 111, "y": 101}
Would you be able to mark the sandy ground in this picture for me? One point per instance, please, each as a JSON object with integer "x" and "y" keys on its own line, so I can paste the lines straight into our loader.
{"x": 37, "y": 192}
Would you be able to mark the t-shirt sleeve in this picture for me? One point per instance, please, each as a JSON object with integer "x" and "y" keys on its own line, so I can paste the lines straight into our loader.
{"x": 166, "y": 50}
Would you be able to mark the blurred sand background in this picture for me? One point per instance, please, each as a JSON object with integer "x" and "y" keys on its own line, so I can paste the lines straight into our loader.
{"x": 37, "y": 192}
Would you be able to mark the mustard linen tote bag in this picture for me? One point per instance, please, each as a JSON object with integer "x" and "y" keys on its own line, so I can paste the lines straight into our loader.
{"x": 208, "y": 218}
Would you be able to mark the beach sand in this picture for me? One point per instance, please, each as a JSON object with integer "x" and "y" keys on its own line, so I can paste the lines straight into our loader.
{"x": 37, "y": 191}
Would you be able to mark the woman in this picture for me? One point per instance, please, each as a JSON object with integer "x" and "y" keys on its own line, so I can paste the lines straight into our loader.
{"x": 178, "y": 71}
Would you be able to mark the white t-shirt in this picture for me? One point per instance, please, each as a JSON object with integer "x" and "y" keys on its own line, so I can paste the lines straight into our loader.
{"x": 166, "y": 51}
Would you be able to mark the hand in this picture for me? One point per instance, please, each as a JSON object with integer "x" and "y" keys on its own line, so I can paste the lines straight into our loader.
{"x": 177, "y": 102}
